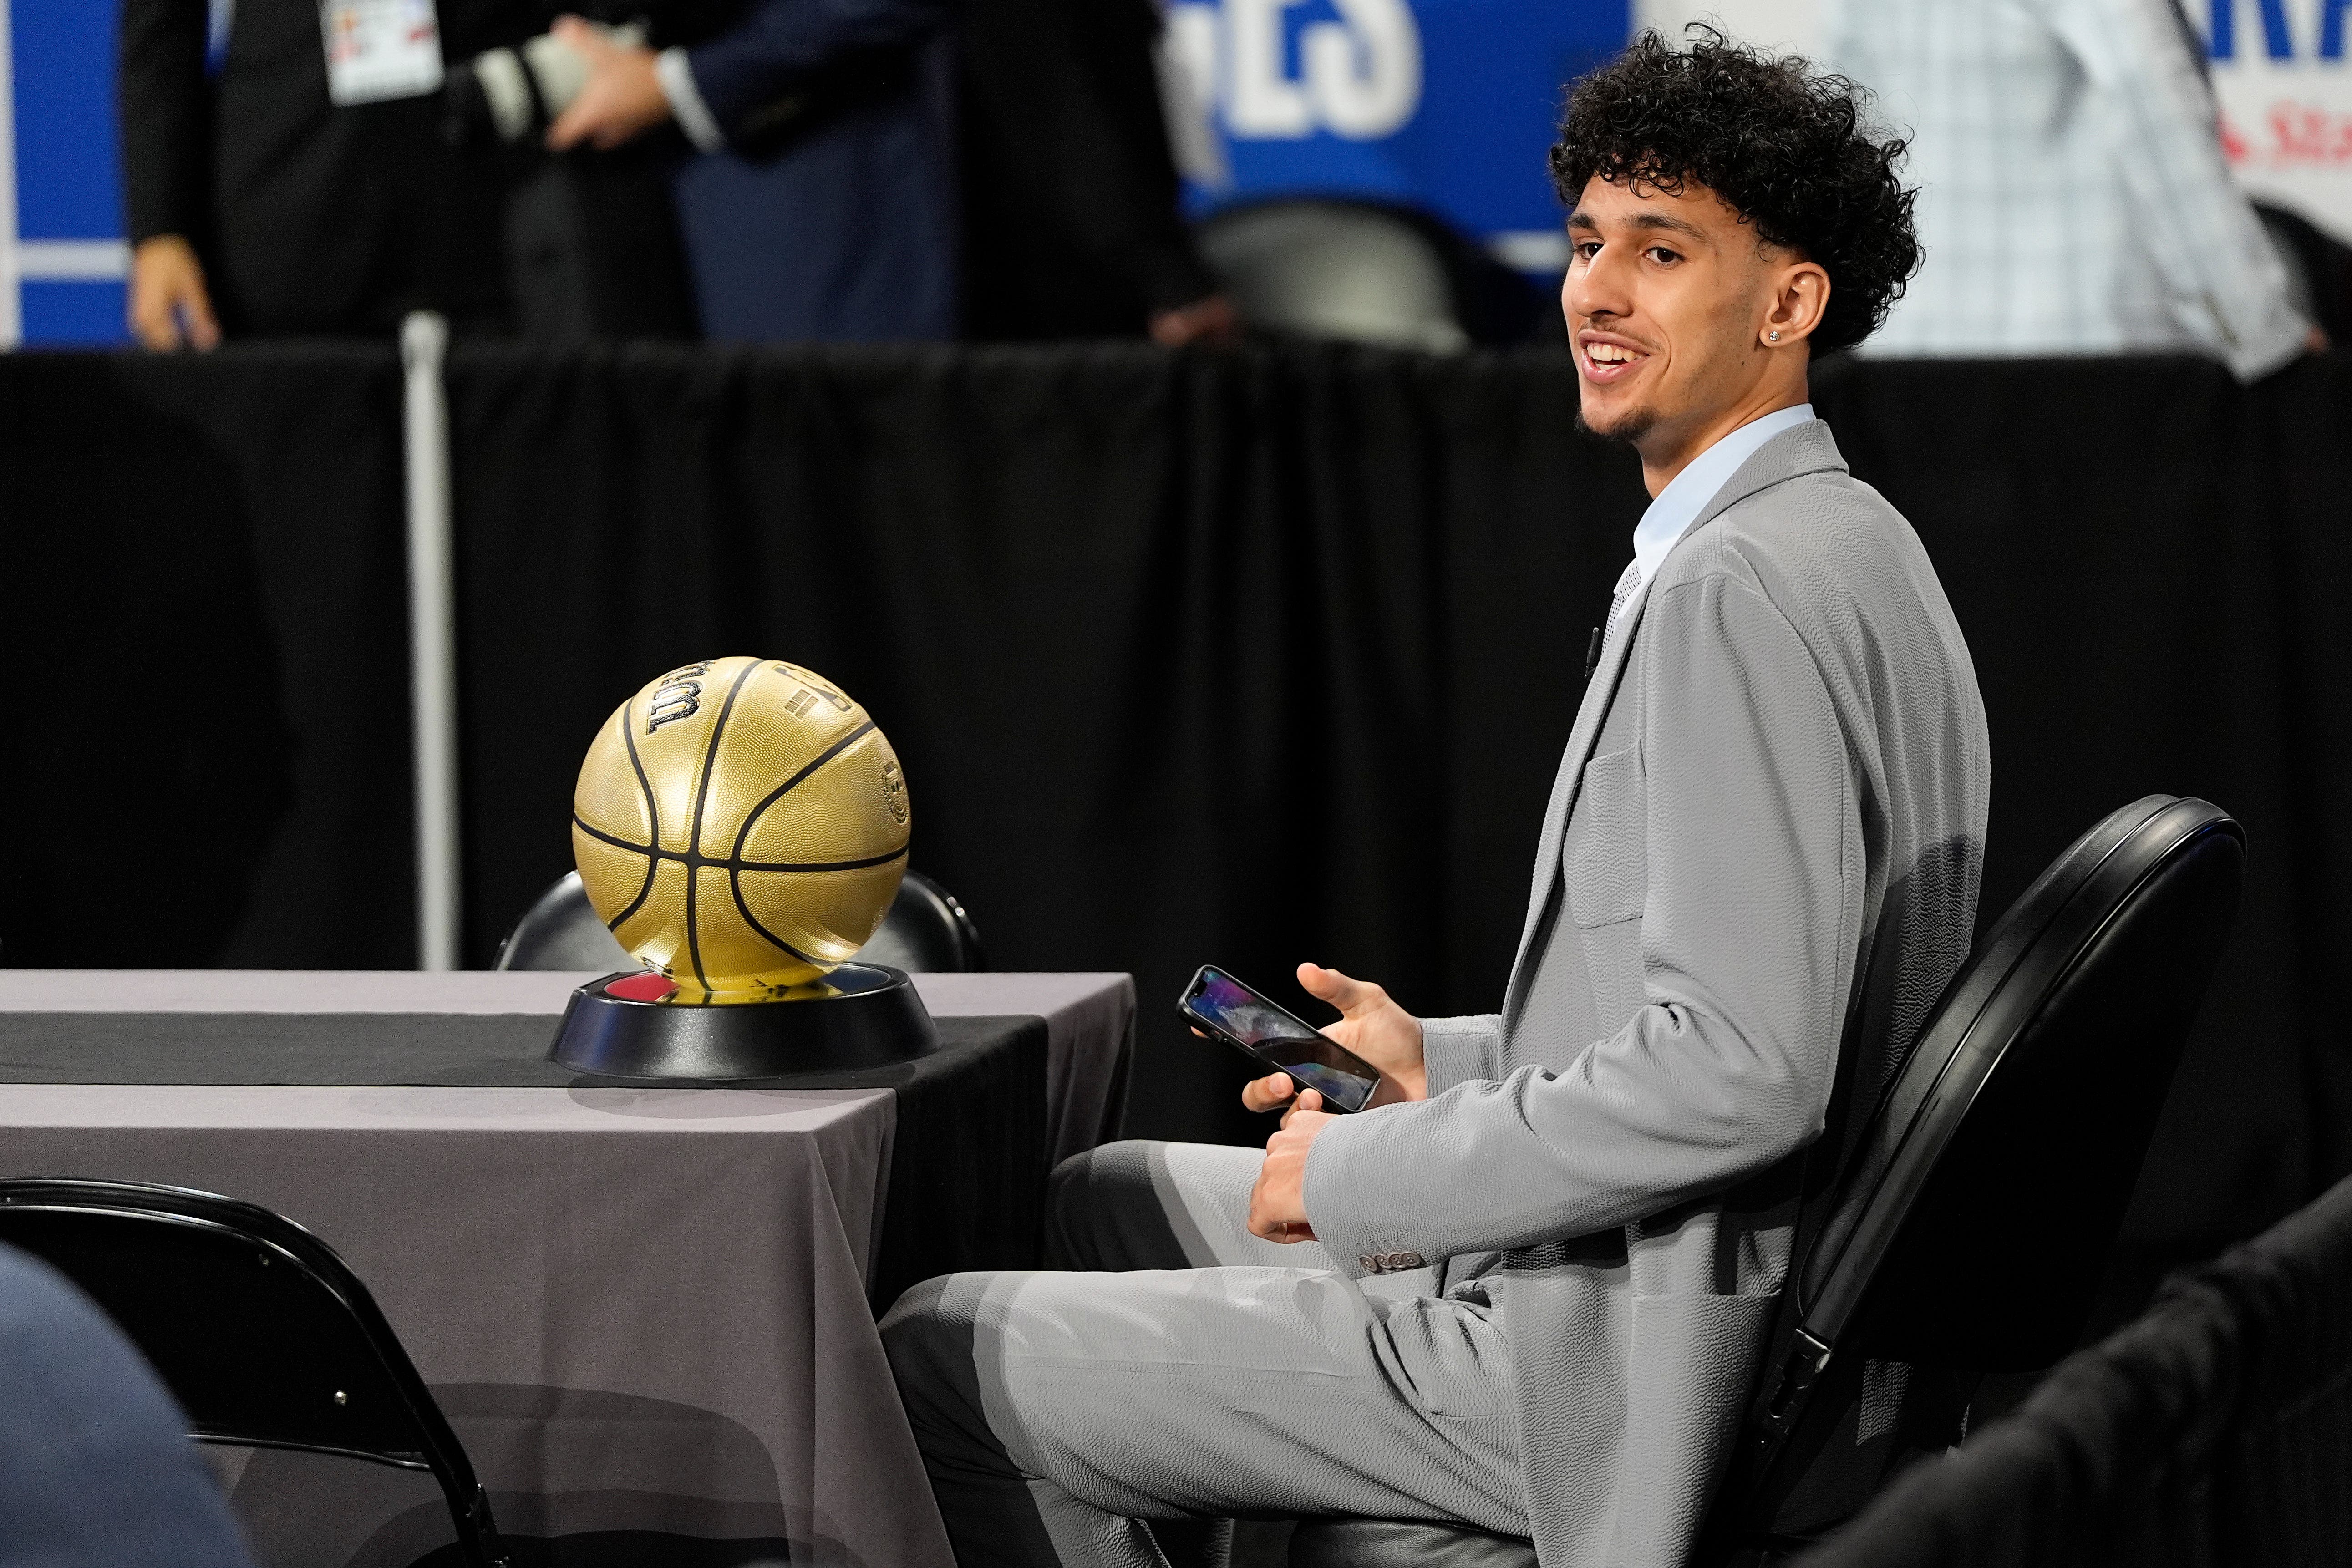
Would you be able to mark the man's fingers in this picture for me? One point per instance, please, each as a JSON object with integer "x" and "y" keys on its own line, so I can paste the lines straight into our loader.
{"x": 151, "y": 312}
{"x": 571, "y": 127}
{"x": 203, "y": 328}
{"x": 578, "y": 122}
{"x": 1331, "y": 985}
{"x": 1267, "y": 1093}
{"x": 1312, "y": 1100}
{"x": 155, "y": 328}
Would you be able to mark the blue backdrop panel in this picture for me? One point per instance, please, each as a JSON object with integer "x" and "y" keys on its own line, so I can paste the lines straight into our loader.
{"x": 1471, "y": 136}
{"x": 68, "y": 177}
{"x": 68, "y": 181}
{"x": 1447, "y": 104}
{"x": 60, "y": 311}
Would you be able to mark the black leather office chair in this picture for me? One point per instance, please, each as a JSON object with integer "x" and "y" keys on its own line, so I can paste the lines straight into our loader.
{"x": 925, "y": 931}
{"x": 1968, "y": 1232}
{"x": 262, "y": 1333}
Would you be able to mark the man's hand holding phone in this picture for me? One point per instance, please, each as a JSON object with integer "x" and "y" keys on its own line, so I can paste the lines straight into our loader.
{"x": 1374, "y": 1028}
{"x": 1370, "y": 1025}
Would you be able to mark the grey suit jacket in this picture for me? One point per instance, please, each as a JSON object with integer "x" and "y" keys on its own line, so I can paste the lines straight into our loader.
{"x": 1758, "y": 872}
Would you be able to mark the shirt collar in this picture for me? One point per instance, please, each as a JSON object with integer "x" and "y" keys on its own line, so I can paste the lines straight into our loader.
{"x": 1687, "y": 495}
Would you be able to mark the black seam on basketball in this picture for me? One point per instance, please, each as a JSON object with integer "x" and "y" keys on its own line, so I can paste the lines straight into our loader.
{"x": 730, "y": 864}
{"x": 751, "y": 818}
{"x": 653, "y": 817}
{"x": 619, "y": 843}
{"x": 735, "y": 869}
{"x": 741, "y": 866}
{"x": 693, "y": 835}
{"x": 735, "y": 886}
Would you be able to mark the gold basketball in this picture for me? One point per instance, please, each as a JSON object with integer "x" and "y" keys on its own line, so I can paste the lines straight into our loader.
{"x": 741, "y": 826}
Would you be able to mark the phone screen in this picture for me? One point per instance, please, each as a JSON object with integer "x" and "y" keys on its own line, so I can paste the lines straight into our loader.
{"x": 1274, "y": 1037}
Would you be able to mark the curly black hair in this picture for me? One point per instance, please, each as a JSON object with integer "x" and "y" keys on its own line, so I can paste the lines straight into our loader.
{"x": 1786, "y": 149}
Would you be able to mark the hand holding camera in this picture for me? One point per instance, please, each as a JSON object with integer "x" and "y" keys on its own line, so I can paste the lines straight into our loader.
{"x": 580, "y": 81}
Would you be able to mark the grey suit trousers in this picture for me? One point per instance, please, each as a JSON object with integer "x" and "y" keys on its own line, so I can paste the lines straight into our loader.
{"x": 1218, "y": 1376}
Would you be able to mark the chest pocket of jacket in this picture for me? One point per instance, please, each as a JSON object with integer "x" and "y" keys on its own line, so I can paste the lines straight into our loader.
{"x": 1604, "y": 859}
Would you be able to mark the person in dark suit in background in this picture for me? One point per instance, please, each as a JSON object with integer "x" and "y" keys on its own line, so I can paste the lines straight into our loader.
{"x": 258, "y": 204}
{"x": 1067, "y": 190}
{"x": 822, "y": 207}
{"x": 1070, "y": 192}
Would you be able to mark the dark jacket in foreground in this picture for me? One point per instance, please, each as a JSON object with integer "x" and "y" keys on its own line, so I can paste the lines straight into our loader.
{"x": 96, "y": 1467}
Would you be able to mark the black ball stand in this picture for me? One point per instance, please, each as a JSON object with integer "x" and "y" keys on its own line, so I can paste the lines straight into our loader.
{"x": 861, "y": 1016}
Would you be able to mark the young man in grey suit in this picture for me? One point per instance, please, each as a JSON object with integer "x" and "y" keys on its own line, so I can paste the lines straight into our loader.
{"x": 1528, "y": 1289}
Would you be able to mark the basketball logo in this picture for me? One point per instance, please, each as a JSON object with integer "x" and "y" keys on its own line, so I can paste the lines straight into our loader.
{"x": 741, "y": 826}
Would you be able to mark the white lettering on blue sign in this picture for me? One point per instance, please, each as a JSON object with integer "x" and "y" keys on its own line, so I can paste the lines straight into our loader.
{"x": 1357, "y": 76}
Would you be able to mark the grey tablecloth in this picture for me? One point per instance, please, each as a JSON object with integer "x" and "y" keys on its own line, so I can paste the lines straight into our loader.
{"x": 1089, "y": 1018}
{"x": 642, "y": 1310}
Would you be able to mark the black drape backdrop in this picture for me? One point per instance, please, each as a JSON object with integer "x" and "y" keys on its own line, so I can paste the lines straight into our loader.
{"x": 1250, "y": 657}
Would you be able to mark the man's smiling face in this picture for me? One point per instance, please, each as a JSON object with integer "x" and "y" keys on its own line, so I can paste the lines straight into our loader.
{"x": 1666, "y": 297}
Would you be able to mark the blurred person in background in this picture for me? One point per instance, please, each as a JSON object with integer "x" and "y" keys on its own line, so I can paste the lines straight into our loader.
{"x": 1057, "y": 157}
{"x": 288, "y": 193}
{"x": 823, "y": 206}
{"x": 1070, "y": 192}
{"x": 2075, "y": 198}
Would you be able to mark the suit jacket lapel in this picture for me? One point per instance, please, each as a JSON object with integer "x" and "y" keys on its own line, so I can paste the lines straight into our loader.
{"x": 1598, "y": 695}
{"x": 1807, "y": 448}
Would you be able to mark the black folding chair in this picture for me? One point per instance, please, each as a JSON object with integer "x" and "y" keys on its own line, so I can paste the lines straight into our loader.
{"x": 266, "y": 1338}
{"x": 925, "y": 931}
{"x": 1968, "y": 1232}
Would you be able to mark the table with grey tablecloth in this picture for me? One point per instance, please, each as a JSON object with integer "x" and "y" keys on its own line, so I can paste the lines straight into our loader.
{"x": 644, "y": 1310}
{"x": 1089, "y": 1017}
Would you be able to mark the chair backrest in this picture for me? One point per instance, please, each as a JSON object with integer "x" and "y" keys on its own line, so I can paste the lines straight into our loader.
{"x": 1970, "y": 1229}
{"x": 562, "y": 931}
{"x": 262, "y": 1333}
{"x": 1336, "y": 269}
{"x": 926, "y": 929}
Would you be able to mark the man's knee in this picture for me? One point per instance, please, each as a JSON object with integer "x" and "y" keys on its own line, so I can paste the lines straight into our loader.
{"x": 1103, "y": 1211}
{"x": 929, "y": 1336}
{"x": 985, "y": 1498}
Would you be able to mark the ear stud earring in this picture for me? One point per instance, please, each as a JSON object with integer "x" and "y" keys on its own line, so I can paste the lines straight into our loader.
{"x": 1774, "y": 336}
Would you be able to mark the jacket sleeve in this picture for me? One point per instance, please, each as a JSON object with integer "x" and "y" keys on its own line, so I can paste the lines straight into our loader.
{"x": 164, "y": 111}
{"x": 1461, "y": 1050}
{"x": 2227, "y": 282}
{"x": 1742, "y": 852}
{"x": 779, "y": 45}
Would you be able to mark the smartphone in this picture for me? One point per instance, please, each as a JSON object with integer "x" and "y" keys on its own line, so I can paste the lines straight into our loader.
{"x": 1223, "y": 1008}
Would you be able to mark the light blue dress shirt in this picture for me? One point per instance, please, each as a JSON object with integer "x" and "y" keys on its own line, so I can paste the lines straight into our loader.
{"x": 1671, "y": 515}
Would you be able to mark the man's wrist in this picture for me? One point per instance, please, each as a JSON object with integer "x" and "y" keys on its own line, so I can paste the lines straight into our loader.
{"x": 1400, "y": 1087}
{"x": 674, "y": 69}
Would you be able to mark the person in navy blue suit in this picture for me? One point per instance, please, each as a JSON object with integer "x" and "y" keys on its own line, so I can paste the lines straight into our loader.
{"x": 822, "y": 207}
{"x": 96, "y": 1467}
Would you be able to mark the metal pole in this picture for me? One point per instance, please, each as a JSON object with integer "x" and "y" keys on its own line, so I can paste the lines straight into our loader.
{"x": 12, "y": 320}
{"x": 432, "y": 638}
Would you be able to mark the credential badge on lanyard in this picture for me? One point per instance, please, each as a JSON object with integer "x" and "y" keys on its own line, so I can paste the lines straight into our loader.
{"x": 378, "y": 50}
